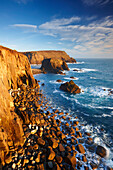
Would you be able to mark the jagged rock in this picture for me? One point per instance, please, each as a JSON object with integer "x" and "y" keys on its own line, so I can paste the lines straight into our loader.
{"x": 71, "y": 160}
{"x": 101, "y": 151}
{"x": 51, "y": 153}
{"x": 25, "y": 162}
{"x": 40, "y": 141}
{"x": 42, "y": 84}
{"x": 73, "y": 77}
{"x": 53, "y": 142}
{"x": 59, "y": 81}
{"x": 37, "y": 160}
{"x": 54, "y": 65}
{"x": 61, "y": 148}
{"x": 80, "y": 148}
{"x": 59, "y": 159}
{"x": 36, "y": 71}
{"x": 70, "y": 87}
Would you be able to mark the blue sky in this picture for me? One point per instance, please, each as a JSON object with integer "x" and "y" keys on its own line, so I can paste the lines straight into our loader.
{"x": 83, "y": 28}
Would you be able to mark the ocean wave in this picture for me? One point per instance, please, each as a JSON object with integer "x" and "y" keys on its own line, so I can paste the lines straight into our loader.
{"x": 35, "y": 66}
{"x": 98, "y": 91}
{"x": 82, "y": 70}
{"x": 103, "y": 115}
{"x": 55, "y": 82}
{"x": 82, "y": 62}
{"x": 93, "y": 78}
{"x": 56, "y": 91}
{"x": 87, "y": 69}
{"x": 68, "y": 78}
{"x": 68, "y": 98}
{"x": 98, "y": 107}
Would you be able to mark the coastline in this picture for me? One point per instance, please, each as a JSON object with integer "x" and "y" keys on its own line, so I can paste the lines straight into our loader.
{"x": 35, "y": 135}
{"x": 53, "y": 139}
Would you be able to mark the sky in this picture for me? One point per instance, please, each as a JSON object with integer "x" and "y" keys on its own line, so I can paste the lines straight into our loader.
{"x": 82, "y": 28}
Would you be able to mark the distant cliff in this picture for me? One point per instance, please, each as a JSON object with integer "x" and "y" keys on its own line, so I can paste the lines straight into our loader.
{"x": 14, "y": 71}
{"x": 36, "y": 57}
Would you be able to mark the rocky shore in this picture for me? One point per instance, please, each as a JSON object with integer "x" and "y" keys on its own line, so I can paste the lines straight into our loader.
{"x": 33, "y": 135}
{"x": 52, "y": 139}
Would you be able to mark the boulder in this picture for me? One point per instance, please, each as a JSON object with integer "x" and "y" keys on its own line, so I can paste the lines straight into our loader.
{"x": 36, "y": 71}
{"x": 54, "y": 65}
{"x": 59, "y": 81}
{"x": 70, "y": 87}
{"x": 101, "y": 151}
{"x": 80, "y": 148}
{"x": 71, "y": 160}
{"x": 51, "y": 153}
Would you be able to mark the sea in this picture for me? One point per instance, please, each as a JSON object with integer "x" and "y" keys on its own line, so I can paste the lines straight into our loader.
{"x": 94, "y": 105}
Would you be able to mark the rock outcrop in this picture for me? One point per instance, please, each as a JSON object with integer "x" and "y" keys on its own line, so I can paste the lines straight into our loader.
{"x": 36, "y": 71}
{"x": 36, "y": 57}
{"x": 70, "y": 87}
{"x": 54, "y": 66}
{"x": 14, "y": 71}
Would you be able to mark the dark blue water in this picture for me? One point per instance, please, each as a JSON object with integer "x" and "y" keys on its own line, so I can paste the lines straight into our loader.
{"x": 94, "y": 106}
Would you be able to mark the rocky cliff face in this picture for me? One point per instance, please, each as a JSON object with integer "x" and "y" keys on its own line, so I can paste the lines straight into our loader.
{"x": 14, "y": 71}
{"x": 54, "y": 66}
{"x": 70, "y": 87}
{"x": 36, "y": 57}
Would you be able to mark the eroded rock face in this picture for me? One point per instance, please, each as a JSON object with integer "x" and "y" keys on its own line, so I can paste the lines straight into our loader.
{"x": 70, "y": 87}
{"x": 14, "y": 71}
{"x": 36, "y": 57}
{"x": 54, "y": 65}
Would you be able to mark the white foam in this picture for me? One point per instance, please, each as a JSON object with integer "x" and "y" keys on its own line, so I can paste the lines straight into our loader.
{"x": 99, "y": 91}
{"x": 98, "y": 107}
{"x": 56, "y": 91}
{"x": 76, "y": 78}
{"x": 55, "y": 82}
{"x": 68, "y": 98}
{"x": 87, "y": 69}
{"x": 93, "y": 78}
{"x": 80, "y": 62}
{"x": 112, "y": 113}
{"x": 35, "y": 66}
{"x": 97, "y": 140}
{"x": 82, "y": 70}
{"x": 105, "y": 115}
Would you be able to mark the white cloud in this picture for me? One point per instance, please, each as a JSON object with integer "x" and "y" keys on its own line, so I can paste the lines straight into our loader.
{"x": 97, "y": 2}
{"x": 94, "y": 37}
{"x": 26, "y": 27}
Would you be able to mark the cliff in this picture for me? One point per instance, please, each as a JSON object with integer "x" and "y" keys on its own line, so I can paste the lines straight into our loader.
{"x": 14, "y": 71}
{"x": 54, "y": 66}
{"x": 36, "y": 57}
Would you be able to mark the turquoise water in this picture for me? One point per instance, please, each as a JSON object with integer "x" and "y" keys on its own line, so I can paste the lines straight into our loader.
{"x": 94, "y": 106}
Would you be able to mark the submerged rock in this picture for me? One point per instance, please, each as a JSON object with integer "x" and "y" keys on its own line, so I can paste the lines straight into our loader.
{"x": 70, "y": 87}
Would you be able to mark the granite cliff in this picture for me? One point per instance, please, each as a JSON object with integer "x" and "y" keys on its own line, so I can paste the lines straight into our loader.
{"x": 36, "y": 57}
{"x": 14, "y": 71}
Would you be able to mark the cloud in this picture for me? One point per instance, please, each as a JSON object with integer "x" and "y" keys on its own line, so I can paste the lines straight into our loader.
{"x": 97, "y": 2}
{"x": 94, "y": 37}
{"x": 26, "y": 27}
